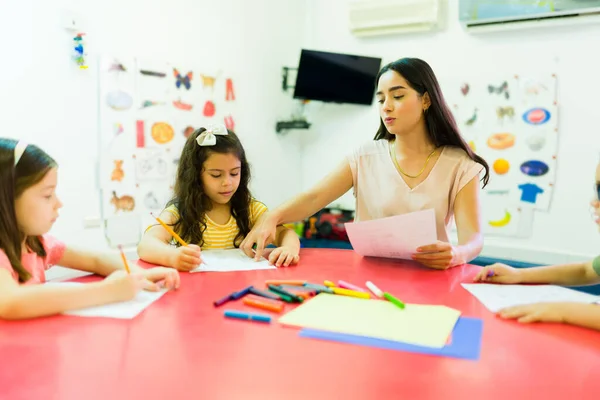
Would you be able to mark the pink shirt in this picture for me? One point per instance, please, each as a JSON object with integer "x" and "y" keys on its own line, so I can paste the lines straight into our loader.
{"x": 381, "y": 192}
{"x": 35, "y": 264}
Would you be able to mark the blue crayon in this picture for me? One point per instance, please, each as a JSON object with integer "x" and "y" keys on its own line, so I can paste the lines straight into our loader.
{"x": 319, "y": 288}
{"x": 247, "y": 316}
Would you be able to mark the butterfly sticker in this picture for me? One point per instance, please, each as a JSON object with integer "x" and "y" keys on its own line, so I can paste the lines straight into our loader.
{"x": 186, "y": 80}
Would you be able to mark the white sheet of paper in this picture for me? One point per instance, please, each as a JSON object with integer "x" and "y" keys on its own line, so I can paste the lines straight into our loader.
{"x": 496, "y": 297}
{"x": 229, "y": 260}
{"x": 123, "y": 310}
{"x": 393, "y": 237}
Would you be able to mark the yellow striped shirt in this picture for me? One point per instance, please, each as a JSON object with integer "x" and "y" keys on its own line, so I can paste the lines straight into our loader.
{"x": 221, "y": 236}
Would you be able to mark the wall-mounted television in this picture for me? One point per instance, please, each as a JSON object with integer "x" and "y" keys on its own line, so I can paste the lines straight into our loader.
{"x": 336, "y": 77}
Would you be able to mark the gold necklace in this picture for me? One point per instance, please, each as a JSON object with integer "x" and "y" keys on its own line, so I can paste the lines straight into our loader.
{"x": 395, "y": 160}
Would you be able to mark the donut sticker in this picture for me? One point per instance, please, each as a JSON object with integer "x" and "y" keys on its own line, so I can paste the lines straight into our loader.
{"x": 534, "y": 168}
{"x": 162, "y": 132}
{"x": 536, "y": 116}
{"x": 501, "y": 141}
{"x": 501, "y": 166}
{"x": 119, "y": 100}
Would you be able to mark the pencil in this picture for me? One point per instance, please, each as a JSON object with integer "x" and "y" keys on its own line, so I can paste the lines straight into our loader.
{"x": 124, "y": 260}
{"x": 171, "y": 231}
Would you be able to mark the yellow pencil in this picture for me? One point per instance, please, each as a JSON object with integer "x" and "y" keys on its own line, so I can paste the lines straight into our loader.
{"x": 124, "y": 260}
{"x": 171, "y": 231}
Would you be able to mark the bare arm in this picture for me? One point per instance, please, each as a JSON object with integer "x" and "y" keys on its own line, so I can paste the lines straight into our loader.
{"x": 333, "y": 186}
{"x": 468, "y": 223}
{"x": 155, "y": 245}
{"x": 585, "y": 315}
{"x": 567, "y": 274}
{"x": 30, "y": 301}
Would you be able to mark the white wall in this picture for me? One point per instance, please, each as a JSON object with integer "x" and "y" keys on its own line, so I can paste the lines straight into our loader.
{"x": 45, "y": 99}
{"x": 563, "y": 234}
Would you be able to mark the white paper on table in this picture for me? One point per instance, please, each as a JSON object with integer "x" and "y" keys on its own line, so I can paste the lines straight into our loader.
{"x": 229, "y": 260}
{"x": 393, "y": 237}
{"x": 122, "y": 310}
{"x": 496, "y": 297}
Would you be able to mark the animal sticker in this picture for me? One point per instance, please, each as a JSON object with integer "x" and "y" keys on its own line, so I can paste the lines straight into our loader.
{"x": 118, "y": 174}
{"x": 124, "y": 203}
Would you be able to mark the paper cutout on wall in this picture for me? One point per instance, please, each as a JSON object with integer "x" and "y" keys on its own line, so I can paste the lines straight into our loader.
{"x": 139, "y": 134}
{"x": 151, "y": 202}
{"x": 464, "y": 89}
{"x": 149, "y": 103}
{"x": 155, "y": 74}
{"x": 501, "y": 166}
{"x": 182, "y": 106}
{"x": 536, "y": 116}
{"x": 501, "y": 141}
{"x": 534, "y": 168}
{"x": 162, "y": 132}
{"x": 185, "y": 80}
{"x": 501, "y": 222}
{"x": 530, "y": 192}
{"x": 473, "y": 118}
{"x": 117, "y": 174}
{"x": 536, "y": 142}
{"x": 151, "y": 165}
{"x": 502, "y": 88}
{"x": 208, "y": 82}
{"x": 119, "y": 100}
{"x": 188, "y": 131}
{"x": 502, "y": 112}
{"x": 229, "y": 94}
{"x": 209, "y": 109}
{"x": 123, "y": 203}
{"x": 229, "y": 123}
{"x": 117, "y": 66}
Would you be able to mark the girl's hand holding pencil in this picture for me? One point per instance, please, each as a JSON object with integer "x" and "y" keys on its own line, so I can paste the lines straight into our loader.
{"x": 186, "y": 258}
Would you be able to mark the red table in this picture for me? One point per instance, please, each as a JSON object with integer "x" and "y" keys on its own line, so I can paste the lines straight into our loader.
{"x": 181, "y": 347}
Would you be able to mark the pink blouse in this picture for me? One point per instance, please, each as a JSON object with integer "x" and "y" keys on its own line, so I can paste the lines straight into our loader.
{"x": 35, "y": 264}
{"x": 381, "y": 192}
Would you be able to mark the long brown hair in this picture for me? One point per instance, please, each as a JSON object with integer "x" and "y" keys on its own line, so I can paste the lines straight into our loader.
{"x": 440, "y": 123}
{"x": 32, "y": 167}
{"x": 189, "y": 197}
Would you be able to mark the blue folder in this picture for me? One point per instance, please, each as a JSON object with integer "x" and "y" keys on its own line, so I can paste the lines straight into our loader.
{"x": 465, "y": 343}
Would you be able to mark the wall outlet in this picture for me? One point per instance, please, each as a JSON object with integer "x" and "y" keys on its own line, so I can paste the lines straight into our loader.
{"x": 92, "y": 222}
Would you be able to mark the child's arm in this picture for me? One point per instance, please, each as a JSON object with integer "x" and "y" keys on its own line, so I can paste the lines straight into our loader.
{"x": 30, "y": 301}
{"x": 155, "y": 248}
{"x": 288, "y": 247}
{"x": 106, "y": 264}
{"x": 585, "y": 315}
{"x": 567, "y": 275}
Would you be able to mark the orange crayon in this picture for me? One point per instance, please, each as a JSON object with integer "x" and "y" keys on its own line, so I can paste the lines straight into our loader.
{"x": 284, "y": 282}
{"x": 261, "y": 304}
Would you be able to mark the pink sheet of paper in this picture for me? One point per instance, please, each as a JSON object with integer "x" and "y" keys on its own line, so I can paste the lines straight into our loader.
{"x": 393, "y": 237}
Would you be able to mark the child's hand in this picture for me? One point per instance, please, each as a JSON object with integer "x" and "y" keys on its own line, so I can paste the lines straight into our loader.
{"x": 540, "y": 312}
{"x": 284, "y": 256}
{"x": 498, "y": 273}
{"x": 125, "y": 286}
{"x": 167, "y": 278}
{"x": 186, "y": 258}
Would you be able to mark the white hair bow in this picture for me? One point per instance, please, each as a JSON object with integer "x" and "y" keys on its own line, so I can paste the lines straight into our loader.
{"x": 208, "y": 138}
{"x": 20, "y": 148}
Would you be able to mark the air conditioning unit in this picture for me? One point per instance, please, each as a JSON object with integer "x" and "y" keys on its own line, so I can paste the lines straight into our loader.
{"x": 487, "y": 15}
{"x": 384, "y": 17}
